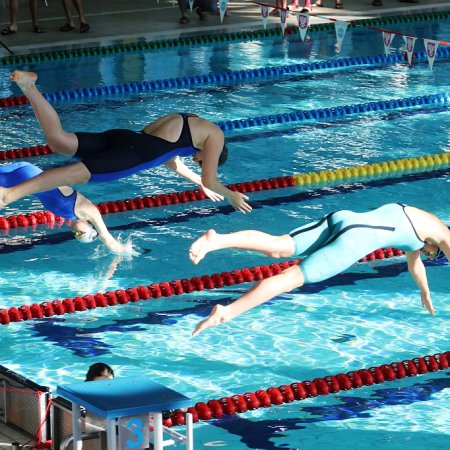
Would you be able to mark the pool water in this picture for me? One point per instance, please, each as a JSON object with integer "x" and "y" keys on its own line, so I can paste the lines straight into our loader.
{"x": 367, "y": 316}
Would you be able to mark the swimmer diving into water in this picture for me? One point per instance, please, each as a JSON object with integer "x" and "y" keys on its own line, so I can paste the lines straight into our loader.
{"x": 87, "y": 222}
{"x": 118, "y": 153}
{"x": 331, "y": 246}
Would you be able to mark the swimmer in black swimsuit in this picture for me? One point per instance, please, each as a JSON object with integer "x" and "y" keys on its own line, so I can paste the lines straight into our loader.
{"x": 330, "y": 246}
{"x": 114, "y": 154}
{"x": 87, "y": 223}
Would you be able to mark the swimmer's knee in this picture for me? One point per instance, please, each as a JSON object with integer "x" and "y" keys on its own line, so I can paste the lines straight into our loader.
{"x": 283, "y": 247}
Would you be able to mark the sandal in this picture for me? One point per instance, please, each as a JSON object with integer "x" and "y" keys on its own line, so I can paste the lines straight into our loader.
{"x": 67, "y": 27}
{"x": 38, "y": 29}
{"x": 7, "y": 31}
{"x": 202, "y": 15}
{"x": 338, "y": 4}
{"x": 84, "y": 27}
{"x": 183, "y": 20}
{"x": 377, "y": 3}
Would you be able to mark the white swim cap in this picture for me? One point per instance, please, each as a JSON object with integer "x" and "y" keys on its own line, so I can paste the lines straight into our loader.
{"x": 90, "y": 235}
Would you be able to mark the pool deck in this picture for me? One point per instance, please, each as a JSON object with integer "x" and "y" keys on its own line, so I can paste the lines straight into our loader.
{"x": 128, "y": 20}
{"x": 125, "y": 21}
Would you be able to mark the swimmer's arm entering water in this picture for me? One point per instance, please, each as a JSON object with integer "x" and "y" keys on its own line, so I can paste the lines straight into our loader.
{"x": 417, "y": 270}
{"x": 85, "y": 209}
{"x": 210, "y": 160}
{"x": 177, "y": 166}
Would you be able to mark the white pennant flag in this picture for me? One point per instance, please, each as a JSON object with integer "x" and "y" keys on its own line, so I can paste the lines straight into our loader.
{"x": 387, "y": 41}
{"x": 223, "y": 4}
{"x": 340, "y": 27}
{"x": 283, "y": 17}
{"x": 410, "y": 42}
{"x": 191, "y": 4}
{"x": 303, "y": 23}
{"x": 431, "y": 49}
{"x": 265, "y": 15}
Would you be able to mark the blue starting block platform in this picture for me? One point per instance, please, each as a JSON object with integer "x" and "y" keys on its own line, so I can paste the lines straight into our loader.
{"x": 128, "y": 402}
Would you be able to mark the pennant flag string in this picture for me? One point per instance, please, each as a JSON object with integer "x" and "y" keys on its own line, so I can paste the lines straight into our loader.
{"x": 352, "y": 22}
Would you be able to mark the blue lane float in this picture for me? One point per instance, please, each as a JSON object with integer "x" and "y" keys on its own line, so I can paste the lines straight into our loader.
{"x": 241, "y": 76}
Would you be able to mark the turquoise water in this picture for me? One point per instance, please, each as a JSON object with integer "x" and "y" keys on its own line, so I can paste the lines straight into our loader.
{"x": 368, "y": 316}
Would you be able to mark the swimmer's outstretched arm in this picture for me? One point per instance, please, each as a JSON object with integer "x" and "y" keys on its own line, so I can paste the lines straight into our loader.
{"x": 417, "y": 270}
{"x": 85, "y": 209}
{"x": 212, "y": 149}
{"x": 177, "y": 166}
{"x": 72, "y": 174}
{"x": 261, "y": 292}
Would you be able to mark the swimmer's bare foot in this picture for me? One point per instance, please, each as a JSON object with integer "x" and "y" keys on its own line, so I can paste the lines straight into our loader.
{"x": 218, "y": 315}
{"x": 23, "y": 79}
{"x": 202, "y": 246}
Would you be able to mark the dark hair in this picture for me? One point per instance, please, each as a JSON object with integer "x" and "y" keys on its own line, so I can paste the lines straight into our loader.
{"x": 223, "y": 156}
{"x": 97, "y": 370}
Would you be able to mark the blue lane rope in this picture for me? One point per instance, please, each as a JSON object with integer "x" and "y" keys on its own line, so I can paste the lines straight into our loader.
{"x": 336, "y": 112}
{"x": 237, "y": 76}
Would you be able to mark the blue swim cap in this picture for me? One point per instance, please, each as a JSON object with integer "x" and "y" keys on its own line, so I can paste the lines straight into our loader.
{"x": 440, "y": 259}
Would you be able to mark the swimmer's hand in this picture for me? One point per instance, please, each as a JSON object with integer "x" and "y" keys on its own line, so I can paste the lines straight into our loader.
{"x": 214, "y": 196}
{"x": 218, "y": 315}
{"x": 427, "y": 303}
{"x": 123, "y": 249}
{"x": 237, "y": 200}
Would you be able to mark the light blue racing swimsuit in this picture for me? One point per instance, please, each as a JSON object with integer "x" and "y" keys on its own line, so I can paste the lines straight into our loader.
{"x": 53, "y": 200}
{"x": 341, "y": 238}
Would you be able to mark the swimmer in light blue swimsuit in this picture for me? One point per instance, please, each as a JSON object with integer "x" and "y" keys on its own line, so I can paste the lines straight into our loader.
{"x": 87, "y": 223}
{"x": 117, "y": 153}
{"x": 330, "y": 246}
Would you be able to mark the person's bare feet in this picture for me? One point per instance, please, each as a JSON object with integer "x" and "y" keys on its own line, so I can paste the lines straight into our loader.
{"x": 218, "y": 315}
{"x": 23, "y": 79}
{"x": 202, "y": 246}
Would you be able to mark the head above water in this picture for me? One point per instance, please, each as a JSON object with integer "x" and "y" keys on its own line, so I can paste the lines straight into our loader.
{"x": 198, "y": 158}
{"x": 84, "y": 231}
{"x": 99, "y": 371}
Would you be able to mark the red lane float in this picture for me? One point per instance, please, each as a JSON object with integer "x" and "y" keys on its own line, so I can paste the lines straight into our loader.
{"x": 164, "y": 289}
{"x": 25, "y": 152}
{"x": 45, "y": 217}
{"x": 299, "y": 390}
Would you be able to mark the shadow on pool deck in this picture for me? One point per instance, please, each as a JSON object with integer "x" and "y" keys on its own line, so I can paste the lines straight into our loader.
{"x": 126, "y": 21}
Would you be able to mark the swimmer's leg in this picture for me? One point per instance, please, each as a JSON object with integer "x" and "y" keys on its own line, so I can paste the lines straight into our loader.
{"x": 72, "y": 174}
{"x": 273, "y": 246}
{"x": 58, "y": 140}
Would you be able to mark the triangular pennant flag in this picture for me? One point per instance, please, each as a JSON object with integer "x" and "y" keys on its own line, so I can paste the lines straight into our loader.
{"x": 223, "y": 4}
{"x": 431, "y": 49}
{"x": 303, "y": 23}
{"x": 265, "y": 15}
{"x": 283, "y": 17}
{"x": 341, "y": 28}
{"x": 387, "y": 41}
{"x": 410, "y": 42}
{"x": 191, "y": 4}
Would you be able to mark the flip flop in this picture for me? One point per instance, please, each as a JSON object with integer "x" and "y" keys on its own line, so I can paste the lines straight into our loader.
{"x": 7, "y": 31}
{"x": 201, "y": 14}
{"x": 67, "y": 27}
{"x": 38, "y": 29}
